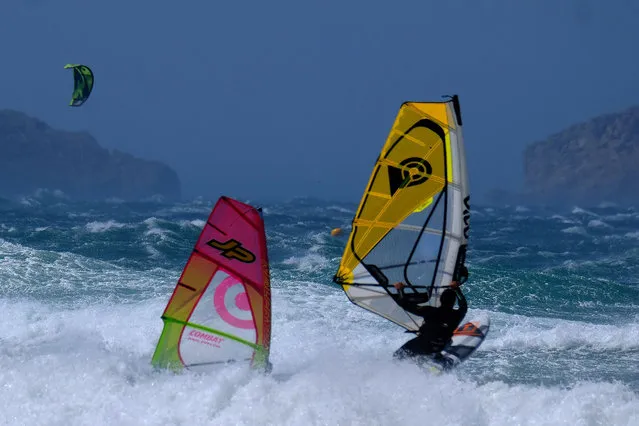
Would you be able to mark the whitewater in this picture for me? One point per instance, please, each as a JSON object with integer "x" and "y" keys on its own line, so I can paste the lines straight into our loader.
{"x": 83, "y": 285}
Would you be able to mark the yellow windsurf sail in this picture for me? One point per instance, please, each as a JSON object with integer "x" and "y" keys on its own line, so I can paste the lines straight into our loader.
{"x": 412, "y": 222}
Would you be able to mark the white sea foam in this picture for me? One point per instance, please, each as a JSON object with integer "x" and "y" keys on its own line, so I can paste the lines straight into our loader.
{"x": 155, "y": 229}
{"x": 596, "y": 223}
{"x": 98, "y": 226}
{"x": 196, "y": 223}
{"x": 562, "y": 219}
{"x": 522, "y": 332}
{"x": 90, "y": 365}
{"x": 340, "y": 209}
{"x": 308, "y": 262}
{"x": 580, "y": 211}
{"x": 580, "y": 230}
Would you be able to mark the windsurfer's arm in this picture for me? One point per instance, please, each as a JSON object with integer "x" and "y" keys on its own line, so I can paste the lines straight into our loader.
{"x": 410, "y": 303}
{"x": 400, "y": 290}
{"x": 401, "y": 298}
{"x": 410, "y": 299}
{"x": 463, "y": 305}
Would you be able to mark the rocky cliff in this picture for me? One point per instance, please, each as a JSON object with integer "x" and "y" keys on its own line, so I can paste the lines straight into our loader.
{"x": 35, "y": 156}
{"x": 589, "y": 162}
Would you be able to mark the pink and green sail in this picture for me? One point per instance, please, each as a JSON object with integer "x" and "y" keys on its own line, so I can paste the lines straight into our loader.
{"x": 220, "y": 310}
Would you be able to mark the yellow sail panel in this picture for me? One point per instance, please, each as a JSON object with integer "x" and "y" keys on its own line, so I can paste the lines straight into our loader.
{"x": 436, "y": 111}
{"x": 442, "y": 114}
{"x": 196, "y": 276}
{"x": 410, "y": 171}
{"x": 449, "y": 159}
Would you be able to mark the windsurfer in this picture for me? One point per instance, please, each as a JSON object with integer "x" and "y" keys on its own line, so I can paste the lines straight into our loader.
{"x": 439, "y": 323}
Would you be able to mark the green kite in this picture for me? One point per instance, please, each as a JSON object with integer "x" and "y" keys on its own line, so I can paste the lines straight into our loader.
{"x": 82, "y": 83}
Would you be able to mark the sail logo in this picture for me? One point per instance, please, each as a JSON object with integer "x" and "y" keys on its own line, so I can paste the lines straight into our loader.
{"x": 233, "y": 308}
{"x": 232, "y": 249}
{"x": 412, "y": 171}
{"x": 205, "y": 338}
{"x": 466, "y": 216}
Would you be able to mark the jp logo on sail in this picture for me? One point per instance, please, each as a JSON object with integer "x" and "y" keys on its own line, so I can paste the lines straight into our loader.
{"x": 232, "y": 249}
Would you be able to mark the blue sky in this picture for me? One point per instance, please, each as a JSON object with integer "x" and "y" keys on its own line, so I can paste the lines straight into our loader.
{"x": 292, "y": 98}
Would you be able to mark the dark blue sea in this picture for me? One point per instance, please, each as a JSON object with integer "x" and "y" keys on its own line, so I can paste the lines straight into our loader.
{"x": 82, "y": 288}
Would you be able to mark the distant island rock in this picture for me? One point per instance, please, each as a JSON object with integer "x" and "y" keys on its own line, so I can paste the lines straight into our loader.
{"x": 34, "y": 156}
{"x": 590, "y": 162}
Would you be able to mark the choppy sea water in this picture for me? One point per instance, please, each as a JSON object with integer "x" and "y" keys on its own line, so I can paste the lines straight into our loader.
{"x": 82, "y": 288}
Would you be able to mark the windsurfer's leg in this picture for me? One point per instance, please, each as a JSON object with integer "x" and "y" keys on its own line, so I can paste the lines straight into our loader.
{"x": 414, "y": 348}
{"x": 445, "y": 362}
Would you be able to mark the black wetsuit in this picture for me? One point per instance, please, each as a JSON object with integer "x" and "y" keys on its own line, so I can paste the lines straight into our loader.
{"x": 437, "y": 330}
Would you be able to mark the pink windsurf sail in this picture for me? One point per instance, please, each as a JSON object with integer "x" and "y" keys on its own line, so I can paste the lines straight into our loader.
{"x": 220, "y": 310}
